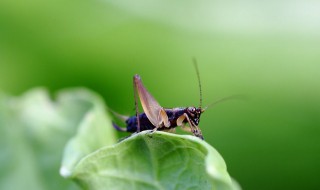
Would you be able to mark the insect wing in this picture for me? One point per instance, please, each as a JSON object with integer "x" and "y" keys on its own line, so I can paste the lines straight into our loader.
{"x": 150, "y": 106}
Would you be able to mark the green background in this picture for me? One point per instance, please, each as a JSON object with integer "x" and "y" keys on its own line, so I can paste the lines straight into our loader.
{"x": 268, "y": 51}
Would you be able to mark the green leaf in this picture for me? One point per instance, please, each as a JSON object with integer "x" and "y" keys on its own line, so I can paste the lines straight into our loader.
{"x": 35, "y": 130}
{"x": 154, "y": 161}
{"x": 94, "y": 132}
{"x": 33, "y": 133}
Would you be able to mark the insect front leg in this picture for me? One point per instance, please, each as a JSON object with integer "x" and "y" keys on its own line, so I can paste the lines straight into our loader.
{"x": 182, "y": 125}
{"x": 185, "y": 128}
{"x": 194, "y": 129}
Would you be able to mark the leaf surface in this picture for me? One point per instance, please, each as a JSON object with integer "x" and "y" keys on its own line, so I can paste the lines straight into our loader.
{"x": 154, "y": 161}
{"x": 34, "y": 130}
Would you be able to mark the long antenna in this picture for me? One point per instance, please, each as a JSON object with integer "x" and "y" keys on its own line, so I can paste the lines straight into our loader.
{"x": 198, "y": 75}
{"x": 233, "y": 97}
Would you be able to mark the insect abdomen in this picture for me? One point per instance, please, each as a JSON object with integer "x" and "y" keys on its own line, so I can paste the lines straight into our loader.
{"x": 145, "y": 124}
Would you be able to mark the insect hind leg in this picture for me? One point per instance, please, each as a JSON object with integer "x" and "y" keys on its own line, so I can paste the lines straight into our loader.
{"x": 118, "y": 128}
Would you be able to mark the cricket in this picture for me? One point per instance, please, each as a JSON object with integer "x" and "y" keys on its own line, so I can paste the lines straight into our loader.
{"x": 155, "y": 117}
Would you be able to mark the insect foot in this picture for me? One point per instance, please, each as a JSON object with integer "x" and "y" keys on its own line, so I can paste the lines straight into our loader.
{"x": 150, "y": 133}
{"x": 197, "y": 133}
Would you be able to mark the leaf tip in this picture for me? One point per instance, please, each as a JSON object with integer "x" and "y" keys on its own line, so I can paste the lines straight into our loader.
{"x": 65, "y": 172}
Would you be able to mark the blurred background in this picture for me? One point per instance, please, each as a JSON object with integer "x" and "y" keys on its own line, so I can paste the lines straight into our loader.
{"x": 269, "y": 51}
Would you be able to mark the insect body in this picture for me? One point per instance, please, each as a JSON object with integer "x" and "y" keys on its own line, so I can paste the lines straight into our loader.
{"x": 176, "y": 117}
{"x": 156, "y": 117}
